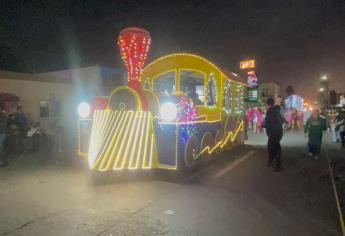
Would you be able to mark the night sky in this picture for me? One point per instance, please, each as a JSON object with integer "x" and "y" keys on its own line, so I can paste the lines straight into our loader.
{"x": 294, "y": 42}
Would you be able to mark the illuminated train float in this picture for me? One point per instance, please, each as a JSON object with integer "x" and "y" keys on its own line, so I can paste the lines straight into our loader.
{"x": 178, "y": 111}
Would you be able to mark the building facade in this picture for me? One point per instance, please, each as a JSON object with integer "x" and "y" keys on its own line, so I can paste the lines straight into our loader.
{"x": 269, "y": 90}
{"x": 55, "y": 95}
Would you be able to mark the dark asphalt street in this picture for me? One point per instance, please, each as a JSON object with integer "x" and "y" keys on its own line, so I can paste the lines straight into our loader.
{"x": 236, "y": 195}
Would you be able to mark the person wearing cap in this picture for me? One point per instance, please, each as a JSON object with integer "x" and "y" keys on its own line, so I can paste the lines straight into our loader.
{"x": 340, "y": 127}
{"x": 274, "y": 128}
{"x": 314, "y": 128}
{"x": 22, "y": 124}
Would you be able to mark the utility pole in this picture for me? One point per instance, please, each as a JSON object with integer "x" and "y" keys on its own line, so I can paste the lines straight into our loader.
{"x": 325, "y": 89}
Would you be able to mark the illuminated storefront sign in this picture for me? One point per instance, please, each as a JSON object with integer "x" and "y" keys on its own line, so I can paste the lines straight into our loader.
{"x": 247, "y": 64}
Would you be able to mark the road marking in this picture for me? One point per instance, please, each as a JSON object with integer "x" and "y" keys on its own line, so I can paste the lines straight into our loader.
{"x": 169, "y": 212}
{"x": 232, "y": 165}
{"x": 341, "y": 219}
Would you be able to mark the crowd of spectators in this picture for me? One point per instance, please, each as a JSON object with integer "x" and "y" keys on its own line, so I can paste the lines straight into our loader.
{"x": 19, "y": 135}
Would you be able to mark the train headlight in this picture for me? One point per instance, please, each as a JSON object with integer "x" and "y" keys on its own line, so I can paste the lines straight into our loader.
{"x": 168, "y": 111}
{"x": 84, "y": 110}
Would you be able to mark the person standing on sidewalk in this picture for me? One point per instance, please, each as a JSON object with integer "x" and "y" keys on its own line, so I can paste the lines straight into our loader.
{"x": 340, "y": 127}
{"x": 3, "y": 126}
{"x": 58, "y": 132}
{"x": 314, "y": 127}
{"x": 274, "y": 128}
{"x": 22, "y": 124}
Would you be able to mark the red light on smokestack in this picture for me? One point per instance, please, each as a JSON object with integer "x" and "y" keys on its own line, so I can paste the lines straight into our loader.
{"x": 134, "y": 44}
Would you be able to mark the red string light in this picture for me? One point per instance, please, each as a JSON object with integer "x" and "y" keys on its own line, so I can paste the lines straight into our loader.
{"x": 134, "y": 44}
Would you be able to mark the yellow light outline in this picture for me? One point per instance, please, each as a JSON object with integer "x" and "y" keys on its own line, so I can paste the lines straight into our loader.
{"x": 95, "y": 138}
{"x": 194, "y": 63}
{"x": 203, "y": 138}
{"x": 141, "y": 140}
{"x": 102, "y": 135}
{"x": 101, "y": 125}
{"x": 151, "y": 80}
{"x": 193, "y": 70}
{"x": 126, "y": 119}
{"x": 190, "y": 55}
{"x": 146, "y": 142}
{"x": 151, "y": 154}
{"x": 105, "y": 134}
{"x": 134, "y": 147}
{"x": 94, "y": 133}
{"x": 201, "y": 108}
{"x": 185, "y": 150}
{"x": 232, "y": 136}
{"x": 114, "y": 128}
{"x": 188, "y": 122}
{"x": 135, "y": 142}
{"x": 123, "y": 140}
{"x": 111, "y": 152}
{"x": 153, "y": 143}
{"x": 130, "y": 139}
{"x": 132, "y": 91}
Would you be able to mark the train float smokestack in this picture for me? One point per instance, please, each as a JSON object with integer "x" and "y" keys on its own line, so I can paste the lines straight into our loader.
{"x": 134, "y": 44}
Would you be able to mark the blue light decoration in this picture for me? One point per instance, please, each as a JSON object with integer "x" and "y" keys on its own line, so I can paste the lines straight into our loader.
{"x": 294, "y": 101}
{"x": 186, "y": 116}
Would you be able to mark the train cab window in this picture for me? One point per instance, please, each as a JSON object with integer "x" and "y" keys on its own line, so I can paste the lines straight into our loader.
{"x": 240, "y": 99}
{"x": 211, "y": 91}
{"x": 147, "y": 85}
{"x": 192, "y": 83}
{"x": 237, "y": 96}
{"x": 165, "y": 83}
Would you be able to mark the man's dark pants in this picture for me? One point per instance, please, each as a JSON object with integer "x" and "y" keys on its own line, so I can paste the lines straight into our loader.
{"x": 314, "y": 149}
{"x": 342, "y": 137}
{"x": 274, "y": 150}
{"x": 3, "y": 159}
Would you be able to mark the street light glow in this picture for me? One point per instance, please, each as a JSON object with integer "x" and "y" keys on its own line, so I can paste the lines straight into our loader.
{"x": 321, "y": 89}
{"x": 324, "y": 77}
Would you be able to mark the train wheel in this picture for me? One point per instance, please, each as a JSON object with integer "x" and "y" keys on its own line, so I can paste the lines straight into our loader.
{"x": 219, "y": 136}
{"x": 229, "y": 127}
{"x": 240, "y": 137}
{"x": 207, "y": 144}
{"x": 186, "y": 164}
{"x": 191, "y": 150}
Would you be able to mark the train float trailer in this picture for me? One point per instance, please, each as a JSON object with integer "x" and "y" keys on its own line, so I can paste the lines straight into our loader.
{"x": 180, "y": 110}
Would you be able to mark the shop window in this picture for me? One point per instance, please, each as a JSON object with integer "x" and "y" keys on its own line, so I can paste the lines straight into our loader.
{"x": 165, "y": 83}
{"x": 211, "y": 91}
{"x": 44, "y": 109}
{"x": 192, "y": 83}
